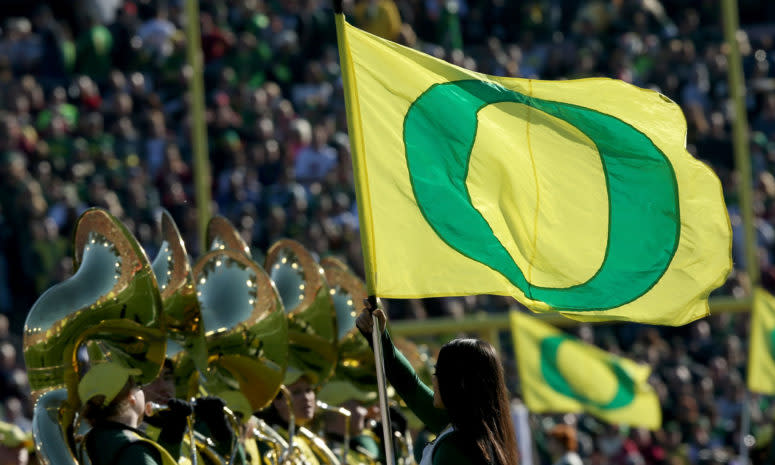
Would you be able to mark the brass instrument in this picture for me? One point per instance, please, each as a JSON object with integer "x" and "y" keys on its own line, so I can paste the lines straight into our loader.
{"x": 278, "y": 445}
{"x": 244, "y": 323}
{"x": 318, "y": 446}
{"x": 356, "y": 360}
{"x": 48, "y": 432}
{"x": 347, "y": 415}
{"x": 110, "y": 308}
{"x": 312, "y": 329}
{"x": 222, "y": 235}
{"x": 186, "y": 345}
{"x": 245, "y": 329}
{"x": 306, "y": 297}
{"x": 282, "y": 450}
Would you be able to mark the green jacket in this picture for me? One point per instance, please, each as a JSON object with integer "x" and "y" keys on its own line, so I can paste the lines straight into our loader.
{"x": 110, "y": 443}
{"x": 452, "y": 449}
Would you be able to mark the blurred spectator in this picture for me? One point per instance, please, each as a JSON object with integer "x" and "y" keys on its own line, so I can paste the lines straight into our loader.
{"x": 155, "y": 34}
{"x": 563, "y": 445}
{"x": 316, "y": 160}
{"x": 93, "y": 50}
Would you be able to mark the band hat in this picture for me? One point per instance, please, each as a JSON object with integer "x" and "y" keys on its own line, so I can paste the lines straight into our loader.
{"x": 105, "y": 379}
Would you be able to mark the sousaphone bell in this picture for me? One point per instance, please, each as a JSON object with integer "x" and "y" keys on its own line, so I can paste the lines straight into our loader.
{"x": 109, "y": 309}
{"x": 245, "y": 329}
{"x": 356, "y": 360}
{"x": 312, "y": 331}
{"x": 186, "y": 346}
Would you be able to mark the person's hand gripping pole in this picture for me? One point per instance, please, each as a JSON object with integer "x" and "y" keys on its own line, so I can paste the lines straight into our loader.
{"x": 378, "y": 322}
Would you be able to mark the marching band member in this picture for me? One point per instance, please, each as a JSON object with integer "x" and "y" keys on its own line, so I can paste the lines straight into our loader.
{"x": 114, "y": 405}
{"x": 310, "y": 449}
{"x": 161, "y": 391}
{"x": 468, "y": 406}
{"x": 364, "y": 445}
{"x": 168, "y": 426}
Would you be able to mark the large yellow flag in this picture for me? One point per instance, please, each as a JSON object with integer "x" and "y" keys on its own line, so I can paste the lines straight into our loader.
{"x": 571, "y": 196}
{"x": 761, "y": 352}
{"x": 559, "y": 373}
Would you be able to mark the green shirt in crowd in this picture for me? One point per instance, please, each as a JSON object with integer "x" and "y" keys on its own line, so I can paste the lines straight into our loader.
{"x": 93, "y": 50}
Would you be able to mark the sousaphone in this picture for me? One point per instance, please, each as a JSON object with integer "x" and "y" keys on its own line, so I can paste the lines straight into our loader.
{"x": 186, "y": 345}
{"x": 356, "y": 360}
{"x": 222, "y": 235}
{"x": 109, "y": 309}
{"x": 312, "y": 330}
{"x": 245, "y": 329}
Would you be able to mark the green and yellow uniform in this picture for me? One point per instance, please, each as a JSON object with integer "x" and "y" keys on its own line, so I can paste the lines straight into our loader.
{"x": 450, "y": 447}
{"x": 206, "y": 455}
{"x": 111, "y": 443}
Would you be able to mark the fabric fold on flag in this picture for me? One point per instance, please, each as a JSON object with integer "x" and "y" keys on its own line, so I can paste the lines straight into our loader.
{"x": 561, "y": 374}
{"x": 575, "y": 196}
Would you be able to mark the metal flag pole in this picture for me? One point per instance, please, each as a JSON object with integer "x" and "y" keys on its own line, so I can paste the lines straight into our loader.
{"x": 729, "y": 15}
{"x": 353, "y": 123}
{"x": 745, "y": 428}
{"x": 376, "y": 337}
{"x": 198, "y": 124}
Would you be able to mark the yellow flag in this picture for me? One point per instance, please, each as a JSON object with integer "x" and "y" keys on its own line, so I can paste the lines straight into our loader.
{"x": 571, "y": 196}
{"x": 559, "y": 373}
{"x": 761, "y": 352}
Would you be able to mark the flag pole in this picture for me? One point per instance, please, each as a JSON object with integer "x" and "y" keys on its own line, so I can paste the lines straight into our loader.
{"x": 729, "y": 15}
{"x": 745, "y": 427}
{"x": 364, "y": 217}
{"x": 201, "y": 161}
{"x": 742, "y": 152}
{"x": 379, "y": 360}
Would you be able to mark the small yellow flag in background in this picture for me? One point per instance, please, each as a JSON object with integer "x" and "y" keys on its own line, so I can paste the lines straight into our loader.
{"x": 761, "y": 351}
{"x": 571, "y": 196}
{"x": 558, "y": 373}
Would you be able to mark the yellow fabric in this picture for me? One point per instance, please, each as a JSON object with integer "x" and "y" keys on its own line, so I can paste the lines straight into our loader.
{"x": 525, "y": 166}
{"x": 761, "y": 365}
{"x": 588, "y": 372}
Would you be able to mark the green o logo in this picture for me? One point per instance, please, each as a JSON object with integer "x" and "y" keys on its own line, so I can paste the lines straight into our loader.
{"x": 644, "y": 221}
{"x": 549, "y": 347}
{"x": 771, "y": 341}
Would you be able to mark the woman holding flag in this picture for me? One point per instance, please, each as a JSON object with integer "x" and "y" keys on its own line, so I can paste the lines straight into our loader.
{"x": 467, "y": 408}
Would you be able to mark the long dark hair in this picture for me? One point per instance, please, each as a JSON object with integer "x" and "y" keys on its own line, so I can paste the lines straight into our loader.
{"x": 472, "y": 387}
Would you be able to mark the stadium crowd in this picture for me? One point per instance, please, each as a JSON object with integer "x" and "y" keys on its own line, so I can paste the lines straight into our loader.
{"x": 94, "y": 111}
